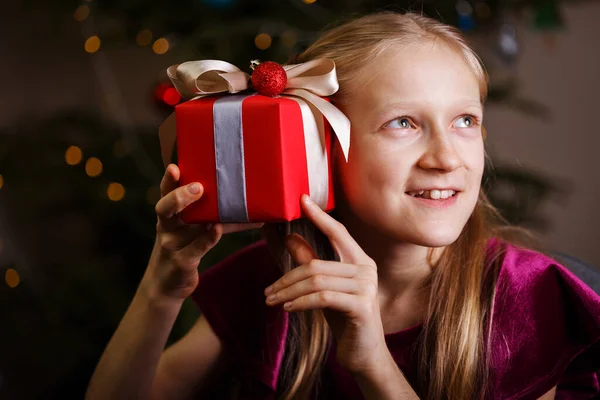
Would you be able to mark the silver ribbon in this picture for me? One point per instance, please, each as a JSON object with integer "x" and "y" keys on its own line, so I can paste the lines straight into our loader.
{"x": 229, "y": 158}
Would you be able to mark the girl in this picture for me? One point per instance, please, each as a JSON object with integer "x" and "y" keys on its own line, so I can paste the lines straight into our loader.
{"x": 411, "y": 289}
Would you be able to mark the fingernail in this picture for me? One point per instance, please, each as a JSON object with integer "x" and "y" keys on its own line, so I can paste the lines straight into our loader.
{"x": 308, "y": 200}
{"x": 194, "y": 188}
{"x": 287, "y": 305}
{"x": 268, "y": 290}
{"x": 271, "y": 297}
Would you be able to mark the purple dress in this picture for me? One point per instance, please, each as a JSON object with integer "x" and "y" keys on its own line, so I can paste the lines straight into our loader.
{"x": 546, "y": 330}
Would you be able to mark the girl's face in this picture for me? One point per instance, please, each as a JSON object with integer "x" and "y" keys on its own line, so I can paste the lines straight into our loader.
{"x": 416, "y": 126}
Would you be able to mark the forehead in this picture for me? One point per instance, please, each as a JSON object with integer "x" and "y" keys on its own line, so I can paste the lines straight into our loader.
{"x": 426, "y": 72}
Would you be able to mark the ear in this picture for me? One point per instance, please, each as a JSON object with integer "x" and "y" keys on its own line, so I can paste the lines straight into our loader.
{"x": 299, "y": 249}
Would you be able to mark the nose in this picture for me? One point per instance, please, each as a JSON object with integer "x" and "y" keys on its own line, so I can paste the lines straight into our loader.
{"x": 440, "y": 153}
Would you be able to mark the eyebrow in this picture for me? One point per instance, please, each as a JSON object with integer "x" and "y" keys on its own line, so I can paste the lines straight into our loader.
{"x": 389, "y": 108}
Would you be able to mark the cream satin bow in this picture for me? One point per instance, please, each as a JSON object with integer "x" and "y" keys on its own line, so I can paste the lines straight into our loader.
{"x": 309, "y": 80}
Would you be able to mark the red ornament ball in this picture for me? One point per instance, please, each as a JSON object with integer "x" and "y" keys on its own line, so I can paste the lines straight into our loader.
{"x": 269, "y": 78}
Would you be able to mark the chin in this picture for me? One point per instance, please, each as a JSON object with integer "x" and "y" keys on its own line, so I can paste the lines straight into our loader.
{"x": 437, "y": 240}
{"x": 432, "y": 235}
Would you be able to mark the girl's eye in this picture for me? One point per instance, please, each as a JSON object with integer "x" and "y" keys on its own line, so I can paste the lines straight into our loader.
{"x": 400, "y": 123}
{"x": 465, "y": 121}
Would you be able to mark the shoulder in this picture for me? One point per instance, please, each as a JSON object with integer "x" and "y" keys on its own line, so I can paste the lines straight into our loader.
{"x": 230, "y": 294}
{"x": 532, "y": 283}
{"x": 546, "y": 324}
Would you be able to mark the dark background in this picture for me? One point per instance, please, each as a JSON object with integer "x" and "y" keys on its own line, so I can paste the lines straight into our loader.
{"x": 85, "y": 89}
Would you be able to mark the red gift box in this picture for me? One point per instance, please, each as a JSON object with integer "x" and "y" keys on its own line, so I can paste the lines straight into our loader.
{"x": 255, "y": 155}
{"x": 275, "y": 170}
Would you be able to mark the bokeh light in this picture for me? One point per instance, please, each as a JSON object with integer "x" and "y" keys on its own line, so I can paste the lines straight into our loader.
{"x": 92, "y": 45}
{"x": 93, "y": 167}
{"x": 12, "y": 278}
{"x": 171, "y": 96}
{"x": 73, "y": 155}
{"x": 160, "y": 46}
{"x": 1, "y": 181}
{"x": 309, "y": 1}
{"x": 464, "y": 8}
{"x": 81, "y": 13}
{"x": 144, "y": 37}
{"x": 115, "y": 191}
{"x": 262, "y": 41}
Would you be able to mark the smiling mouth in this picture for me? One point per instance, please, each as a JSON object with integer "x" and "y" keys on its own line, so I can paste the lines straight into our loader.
{"x": 434, "y": 194}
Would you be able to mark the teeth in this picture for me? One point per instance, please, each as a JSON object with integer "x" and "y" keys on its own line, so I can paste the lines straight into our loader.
{"x": 435, "y": 194}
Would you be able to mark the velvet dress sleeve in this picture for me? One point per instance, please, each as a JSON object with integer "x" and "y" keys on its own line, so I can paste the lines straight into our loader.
{"x": 547, "y": 330}
{"x": 230, "y": 295}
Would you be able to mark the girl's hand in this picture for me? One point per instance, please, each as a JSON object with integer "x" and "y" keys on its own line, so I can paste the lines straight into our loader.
{"x": 346, "y": 290}
{"x": 178, "y": 249}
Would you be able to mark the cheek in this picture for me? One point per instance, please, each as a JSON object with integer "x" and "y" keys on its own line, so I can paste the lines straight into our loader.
{"x": 373, "y": 187}
{"x": 369, "y": 170}
{"x": 473, "y": 157}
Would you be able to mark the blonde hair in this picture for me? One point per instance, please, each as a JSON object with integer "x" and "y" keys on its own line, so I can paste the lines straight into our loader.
{"x": 452, "y": 349}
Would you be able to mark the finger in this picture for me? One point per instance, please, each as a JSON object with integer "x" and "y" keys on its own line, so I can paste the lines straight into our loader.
{"x": 315, "y": 284}
{"x": 174, "y": 202}
{"x": 344, "y": 244}
{"x": 189, "y": 257}
{"x": 338, "y": 301}
{"x": 170, "y": 179}
{"x": 315, "y": 267}
{"x": 299, "y": 249}
{"x": 230, "y": 228}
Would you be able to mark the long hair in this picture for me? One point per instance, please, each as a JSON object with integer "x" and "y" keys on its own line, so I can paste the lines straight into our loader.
{"x": 453, "y": 349}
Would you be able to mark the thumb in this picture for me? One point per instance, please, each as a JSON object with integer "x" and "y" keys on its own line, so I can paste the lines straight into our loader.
{"x": 299, "y": 249}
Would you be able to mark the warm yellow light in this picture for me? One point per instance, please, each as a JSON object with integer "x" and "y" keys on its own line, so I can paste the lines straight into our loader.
{"x": 120, "y": 149}
{"x": 262, "y": 41}
{"x": 81, "y": 13}
{"x": 73, "y": 155}
{"x": 161, "y": 46}
{"x": 144, "y": 37}
{"x": 93, "y": 167}
{"x": 115, "y": 191}
{"x": 12, "y": 278}
{"x": 289, "y": 38}
{"x": 309, "y": 1}
{"x": 153, "y": 195}
{"x": 92, "y": 45}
